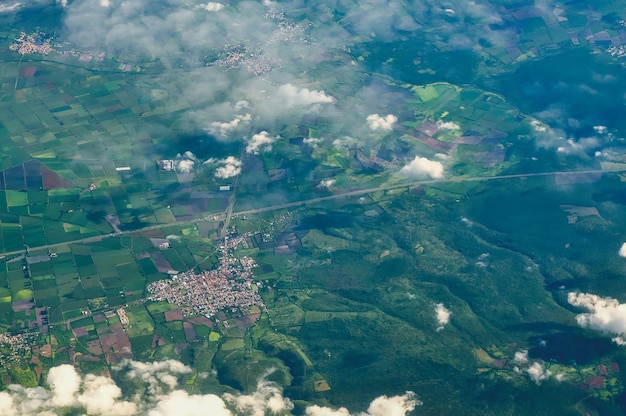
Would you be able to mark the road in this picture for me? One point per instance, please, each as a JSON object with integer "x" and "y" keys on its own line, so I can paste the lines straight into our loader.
{"x": 356, "y": 192}
{"x": 410, "y": 184}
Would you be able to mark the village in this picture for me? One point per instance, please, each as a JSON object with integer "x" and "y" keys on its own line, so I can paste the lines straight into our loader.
{"x": 228, "y": 287}
{"x": 13, "y": 348}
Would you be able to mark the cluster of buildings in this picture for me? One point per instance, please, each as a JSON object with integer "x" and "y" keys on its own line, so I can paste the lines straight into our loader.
{"x": 240, "y": 57}
{"x": 32, "y": 43}
{"x": 228, "y": 287}
{"x": 13, "y": 348}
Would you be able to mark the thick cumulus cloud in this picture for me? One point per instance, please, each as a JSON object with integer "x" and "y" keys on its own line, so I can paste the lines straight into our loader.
{"x": 538, "y": 373}
{"x": 226, "y": 168}
{"x": 521, "y": 357}
{"x": 96, "y": 395}
{"x": 421, "y": 166}
{"x": 64, "y": 382}
{"x": 537, "y": 370}
{"x": 186, "y": 162}
{"x": 606, "y": 315}
{"x": 385, "y": 123}
{"x": 101, "y": 396}
{"x": 258, "y": 141}
{"x": 181, "y": 403}
{"x": 381, "y": 406}
{"x": 622, "y": 250}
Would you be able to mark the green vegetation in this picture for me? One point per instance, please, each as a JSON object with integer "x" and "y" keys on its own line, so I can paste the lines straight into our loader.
{"x": 351, "y": 283}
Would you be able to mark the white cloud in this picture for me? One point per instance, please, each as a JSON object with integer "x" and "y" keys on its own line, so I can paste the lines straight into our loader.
{"x": 381, "y": 406}
{"x": 189, "y": 155}
{"x": 266, "y": 397}
{"x": 420, "y": 166}
{"x": 157, "y": 372}
{"x": 605, "y": 314}
{"x": 393, "y": 406}
{"x": 448, "y": 125}
{"x": 290, "y": 96}
{"x": 105, "y": 3}
{"x": 241, "y": 104}
{"x": 262, "y": 139}
{"x": 443, "y": 316}
{"x": 100, "y": 396}
{"x": 97, "y": 395}
{"x": 385, "y": 123}
{"x": 213, "y": 6}
{"x": 600, "y": 129}
{"x": 185, "y": 166}
{"x": 521, "y": 357}
{"x": 467, "y": 221}
{"x": 312, "y": 141}
{"x": 185, "y": 162}
{"x": 538, "y": 126}
{"x": 229, "y": 167}
{"x": 622, "y": 250}
{"x": 316, "y": 410}
{"x": 64, "y": 383}
{"x": 180, "y": 403}
{"x": 224, "y": 128}
{"x": 326, "y": 183}
{"x": 537, "y": 373}
{"x": 10, "y": 8}
{"x": 619, "y": 341}
{"x": 345, "y": 141}
{"x": 579, "y": 146}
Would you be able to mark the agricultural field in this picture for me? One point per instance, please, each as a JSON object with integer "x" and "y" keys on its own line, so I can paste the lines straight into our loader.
{"x": 376, "y": 203}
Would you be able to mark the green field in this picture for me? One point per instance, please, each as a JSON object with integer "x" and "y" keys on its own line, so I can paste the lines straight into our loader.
{"x": 359, "y": 253}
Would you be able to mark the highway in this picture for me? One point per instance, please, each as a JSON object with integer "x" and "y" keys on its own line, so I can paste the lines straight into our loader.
{"x": 355, "y": 192}
{"x": 414, "y": 183}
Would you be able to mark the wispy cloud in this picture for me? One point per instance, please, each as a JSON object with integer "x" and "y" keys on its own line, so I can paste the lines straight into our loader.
{"x": 443, "y": 316}
{"x": 448, "y": 125}
{"x": 291, "y": 96}
{"x": 224, "y": 128}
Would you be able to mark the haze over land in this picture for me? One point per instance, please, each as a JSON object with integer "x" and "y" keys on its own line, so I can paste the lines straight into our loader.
{"x": 359, "y": 207}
